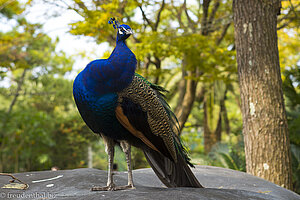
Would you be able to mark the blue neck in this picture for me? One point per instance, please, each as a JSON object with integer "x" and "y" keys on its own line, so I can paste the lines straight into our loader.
{"x": 121, "y": 38}
{"x": 112, "y": 74}
{"x": 120, "y": 49}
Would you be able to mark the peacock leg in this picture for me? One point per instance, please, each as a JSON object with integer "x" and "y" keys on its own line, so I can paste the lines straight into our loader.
{"x": 110, "y": 150}
{"x": 126, "y": 147}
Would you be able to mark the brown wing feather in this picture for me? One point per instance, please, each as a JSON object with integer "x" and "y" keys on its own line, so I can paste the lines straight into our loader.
{"x": 142, "y": 94}
{"x": 125, "y": 122}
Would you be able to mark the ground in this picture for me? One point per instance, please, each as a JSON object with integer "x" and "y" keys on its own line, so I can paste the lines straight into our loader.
{"x": 75, "y": 184}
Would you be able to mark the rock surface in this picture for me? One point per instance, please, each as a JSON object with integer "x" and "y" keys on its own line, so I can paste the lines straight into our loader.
{"x": 220, "y": 183}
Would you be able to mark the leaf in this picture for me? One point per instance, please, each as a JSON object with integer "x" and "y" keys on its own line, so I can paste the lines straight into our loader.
{"x": 18, "y": 186}
{"x": 264, "y": 192}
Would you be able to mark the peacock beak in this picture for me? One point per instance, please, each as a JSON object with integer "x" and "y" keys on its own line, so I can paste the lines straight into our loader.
{"x": 129, "y": 32}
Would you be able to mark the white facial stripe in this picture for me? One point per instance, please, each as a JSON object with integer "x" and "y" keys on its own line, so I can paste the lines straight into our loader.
{"x": 128, "y": 31}
{"x": 122, "y": 31}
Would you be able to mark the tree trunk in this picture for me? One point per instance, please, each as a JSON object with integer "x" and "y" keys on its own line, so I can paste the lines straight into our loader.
{"x": 90, "y": 156}
{"x": 224, "y": 113}
{"x": 157, "y": 64}
{"x": 5, "y": 121}
{"x": 187, "y": 95}
{"x": 19, "y": 87}
{"x": 265, "y": 128}
{"x": 212, "y": 133}
{"x": 181, "y": 89}
{"x": 187, "y": 103}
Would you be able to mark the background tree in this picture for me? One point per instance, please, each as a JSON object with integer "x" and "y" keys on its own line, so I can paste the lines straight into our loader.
{"x": 36, "y": 100}
{"x": 267, "y": 145}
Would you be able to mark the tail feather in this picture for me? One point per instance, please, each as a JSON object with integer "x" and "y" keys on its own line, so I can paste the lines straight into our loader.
{"x": 170, "y": 173}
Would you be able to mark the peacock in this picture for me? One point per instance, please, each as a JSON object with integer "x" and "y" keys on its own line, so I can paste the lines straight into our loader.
{"x": 126, "y": 109}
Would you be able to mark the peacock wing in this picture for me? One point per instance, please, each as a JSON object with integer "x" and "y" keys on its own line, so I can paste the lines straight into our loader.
{"x": 141, "y": 111}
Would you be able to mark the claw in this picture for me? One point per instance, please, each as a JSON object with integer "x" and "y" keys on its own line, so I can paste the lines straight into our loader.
{"x": 109, "y": 187}
{"x": 112, "y": 187}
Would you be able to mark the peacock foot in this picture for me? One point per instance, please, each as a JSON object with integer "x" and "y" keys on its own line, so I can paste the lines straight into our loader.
{"x": 112, "y": 187}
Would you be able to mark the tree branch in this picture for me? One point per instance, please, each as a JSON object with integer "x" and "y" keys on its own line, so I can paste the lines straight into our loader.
{"x": 32, "y": 93}
{"x": 144, "y": 16}
{"x": 289, "y": 17}
{"x": 58, "y": 5}
{"x": 292, "y": 10}
{"x": 285, "y": 24}
{"x": 213, "y": 13}
{"x": 5, "y": 4}
{"x": 158, "y": 15}
{"x": 223, "y": 33}
{"x": 20, "y": 84}
{"x": 158, "y": 67}
{"x": 15, "y": 179}
{"x": 204, "y": 18}
{"x": 178, "y": 14}
{"x": 190, "y": 21}
{"x": 122, "y": 7}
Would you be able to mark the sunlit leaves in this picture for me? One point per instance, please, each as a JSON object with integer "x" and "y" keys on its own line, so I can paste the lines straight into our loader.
{"x": 95, "y": 23}
{"x": 27, "y": 47}
{"x": 29, "y": 111}
{"x": 10, "y": 8}
{"x": 289, "y": 48}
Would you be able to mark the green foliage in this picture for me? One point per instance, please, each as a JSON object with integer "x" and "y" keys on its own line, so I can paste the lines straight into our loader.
{"x": 193, "y": 140}
{"x": 288, "y": 39}
{"x": 10, "y": 8}
{"x": 95, "y": 23}
{"x": 138, "y": 159}
{"x": 292, "y": 95}
{"x": 71, "y": 138}
{"x": 37, "y": 103}
{"x": 295, "y": 151}
{"x": 229, "y": 155}
{"x": 160, "y": 35}
{"x": 44, "y": 129}
{"x": 100, "y": 156}
{"x": 292, "y": 101}
{"x": 30, "y": 48}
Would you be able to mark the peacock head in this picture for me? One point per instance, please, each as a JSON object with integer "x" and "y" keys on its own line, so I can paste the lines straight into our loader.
{"x": 124, "y": 31}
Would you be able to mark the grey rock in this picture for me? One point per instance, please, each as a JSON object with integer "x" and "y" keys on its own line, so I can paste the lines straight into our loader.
{"x": 219, "y": 184}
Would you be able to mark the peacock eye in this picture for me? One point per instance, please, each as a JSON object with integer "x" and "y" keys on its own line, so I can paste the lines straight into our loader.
{"x": 122, "y": 30}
